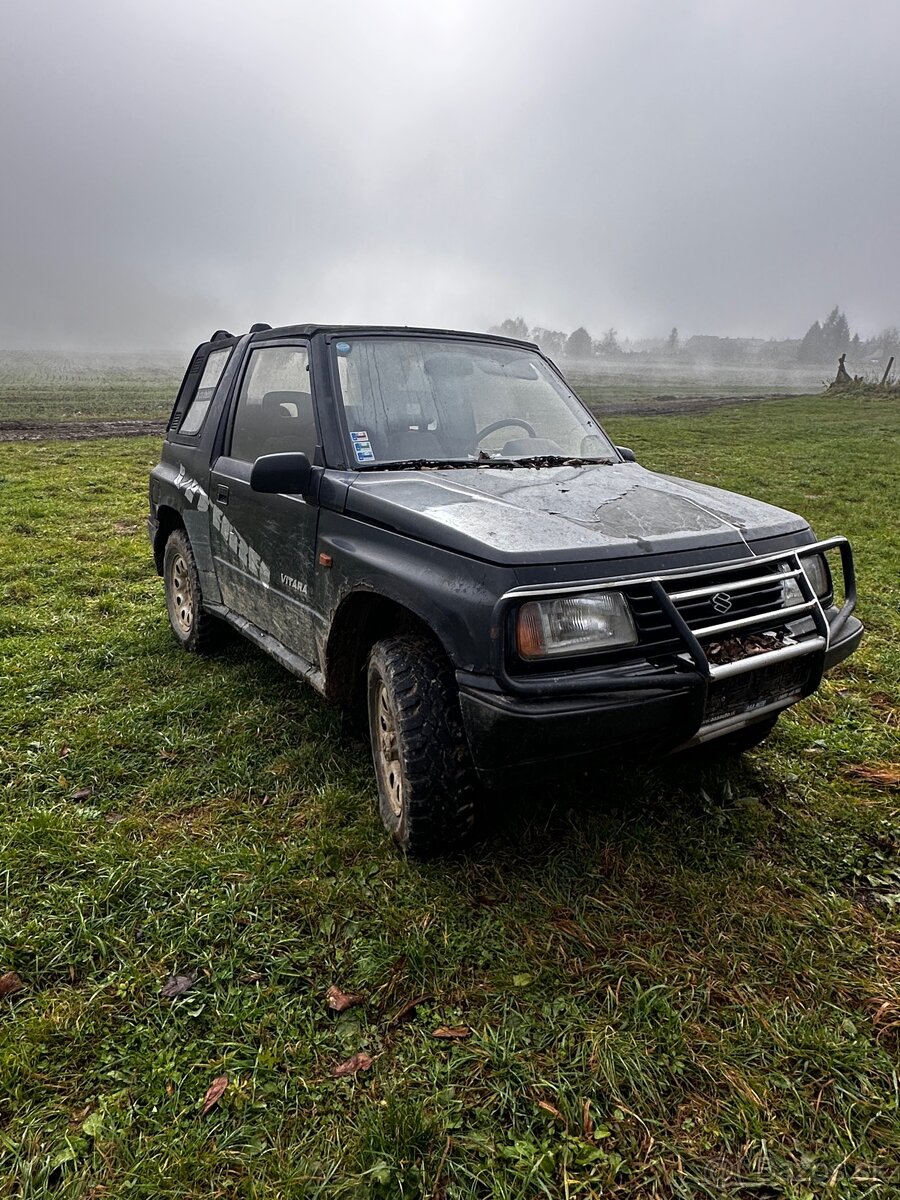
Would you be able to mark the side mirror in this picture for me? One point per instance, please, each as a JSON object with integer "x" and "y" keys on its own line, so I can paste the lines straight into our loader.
{"x": 288, "y": 473}
{"x": 627, "y": 454}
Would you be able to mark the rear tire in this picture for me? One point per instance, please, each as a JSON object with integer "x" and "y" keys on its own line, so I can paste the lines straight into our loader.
{"x": 195, "y": 629}
{"x": 424, "y": 773}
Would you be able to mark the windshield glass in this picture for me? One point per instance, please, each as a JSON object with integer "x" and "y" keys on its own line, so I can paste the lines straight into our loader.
{"x": 414, "y": 399}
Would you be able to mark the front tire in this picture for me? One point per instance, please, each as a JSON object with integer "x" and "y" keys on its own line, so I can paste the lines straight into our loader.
{"x": 424, "y": 773}
{"x": 195, "y": 628}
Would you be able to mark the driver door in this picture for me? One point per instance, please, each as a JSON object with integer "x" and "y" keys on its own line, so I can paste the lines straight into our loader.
{"x": 264, "y": 545}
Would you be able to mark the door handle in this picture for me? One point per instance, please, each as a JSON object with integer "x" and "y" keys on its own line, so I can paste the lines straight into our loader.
{"x": 221, "y": 493}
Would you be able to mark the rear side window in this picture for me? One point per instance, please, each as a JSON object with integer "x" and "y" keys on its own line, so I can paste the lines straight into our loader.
{"x": 199, "y": 406}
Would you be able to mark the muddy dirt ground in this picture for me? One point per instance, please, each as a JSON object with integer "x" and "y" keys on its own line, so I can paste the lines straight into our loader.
{"x": 77, "y": 431}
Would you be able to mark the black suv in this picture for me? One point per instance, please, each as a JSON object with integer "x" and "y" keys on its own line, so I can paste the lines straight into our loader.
{"x": 432, "y": 526}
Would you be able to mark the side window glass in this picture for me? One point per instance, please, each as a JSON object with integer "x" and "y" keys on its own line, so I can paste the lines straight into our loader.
{"x": 274, "y": 412}
{"x": 199, "y": 406}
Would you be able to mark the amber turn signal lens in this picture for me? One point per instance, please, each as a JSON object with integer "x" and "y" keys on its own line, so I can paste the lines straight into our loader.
{"x": 529, "y": 633}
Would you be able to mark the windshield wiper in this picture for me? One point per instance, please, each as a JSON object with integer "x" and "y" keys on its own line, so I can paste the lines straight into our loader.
{"x": 554, "y": 460}
{"x": 421, "y": 464}
{"x": 507, "y": 464}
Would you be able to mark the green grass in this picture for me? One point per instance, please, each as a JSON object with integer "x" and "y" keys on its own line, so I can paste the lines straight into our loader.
{"x": 705, "y": 960}
{"x": 82, "y": 387}
{"x": 88, "y": 387}
{"x": 617, "y": 380}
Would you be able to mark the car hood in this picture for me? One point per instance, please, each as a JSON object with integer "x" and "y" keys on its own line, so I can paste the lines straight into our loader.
{"x": 528, "y": 514}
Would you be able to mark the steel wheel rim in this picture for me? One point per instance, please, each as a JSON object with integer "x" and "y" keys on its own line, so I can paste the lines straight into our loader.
{"x": 182, "y": 593}
{"x": 388, "y": 752}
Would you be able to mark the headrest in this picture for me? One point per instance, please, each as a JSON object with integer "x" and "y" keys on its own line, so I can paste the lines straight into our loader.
{"x": 448, "y": 366}
{"x": 407, "y": 416}
{"x": 272, "y": 402}
{"x": 516, "y": 368}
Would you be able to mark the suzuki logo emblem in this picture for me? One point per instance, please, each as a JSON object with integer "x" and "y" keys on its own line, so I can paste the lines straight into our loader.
{"x": 721, "y": 602}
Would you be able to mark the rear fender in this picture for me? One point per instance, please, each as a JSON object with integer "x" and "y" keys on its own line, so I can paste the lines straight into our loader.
{"x": 174, "y": 491}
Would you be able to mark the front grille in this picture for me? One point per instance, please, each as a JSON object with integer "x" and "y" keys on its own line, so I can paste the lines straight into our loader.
{"x": 756, "y": 689}
{"x": 654, "y": 628}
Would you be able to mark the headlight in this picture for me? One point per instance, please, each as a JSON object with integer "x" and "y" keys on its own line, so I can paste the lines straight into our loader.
{"x": 574, "y": 625}
{"x": 816, "y": 567}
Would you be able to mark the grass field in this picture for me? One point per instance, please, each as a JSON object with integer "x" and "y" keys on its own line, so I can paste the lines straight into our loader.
{"x": 78, "y": 387}
{"x": 602, "y": 383}
{"x": 677, "y": 981}
{"x": 81, "y": 387}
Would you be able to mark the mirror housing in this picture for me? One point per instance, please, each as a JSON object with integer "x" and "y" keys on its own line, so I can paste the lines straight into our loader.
{"x": 291, "y": 474}
{"x": 628, "y": 454}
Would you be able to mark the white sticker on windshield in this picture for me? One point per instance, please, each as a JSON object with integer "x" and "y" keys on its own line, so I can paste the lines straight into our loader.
{"x": 362, "y": 447}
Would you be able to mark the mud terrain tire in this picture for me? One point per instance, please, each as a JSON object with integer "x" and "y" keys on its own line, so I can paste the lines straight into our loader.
{"x": 426, "y": 781}
{"x": 195, "y": 629}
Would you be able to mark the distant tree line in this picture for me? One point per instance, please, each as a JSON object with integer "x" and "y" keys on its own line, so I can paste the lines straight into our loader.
{"x": 823, "y": 342}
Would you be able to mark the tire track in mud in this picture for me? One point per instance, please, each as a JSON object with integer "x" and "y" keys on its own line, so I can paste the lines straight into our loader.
{"x": 79, "y": 431}
{"x": 660, "y": 406}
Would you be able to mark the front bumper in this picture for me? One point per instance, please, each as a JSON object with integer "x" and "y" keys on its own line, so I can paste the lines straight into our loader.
{"x": 525, "y": 725}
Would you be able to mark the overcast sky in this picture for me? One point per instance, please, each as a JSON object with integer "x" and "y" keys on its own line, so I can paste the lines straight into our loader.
{"x": 170, "y": 166}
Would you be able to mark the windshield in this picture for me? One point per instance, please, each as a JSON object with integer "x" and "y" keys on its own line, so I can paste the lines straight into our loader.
{"x": 459, "y": 402}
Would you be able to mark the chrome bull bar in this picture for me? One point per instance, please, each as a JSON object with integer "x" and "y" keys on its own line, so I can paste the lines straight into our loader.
{"x": 639, "y": 674}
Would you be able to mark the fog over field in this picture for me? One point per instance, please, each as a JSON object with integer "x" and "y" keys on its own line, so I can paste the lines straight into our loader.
{"x": 172, "y": 168}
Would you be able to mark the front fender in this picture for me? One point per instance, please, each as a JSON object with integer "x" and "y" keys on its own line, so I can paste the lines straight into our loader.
{"x": 452, "y": 594}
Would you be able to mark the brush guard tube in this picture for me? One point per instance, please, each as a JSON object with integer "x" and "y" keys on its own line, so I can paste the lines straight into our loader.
{"x": 522, "y": 721}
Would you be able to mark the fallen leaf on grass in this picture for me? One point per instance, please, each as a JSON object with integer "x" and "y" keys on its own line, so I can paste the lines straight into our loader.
{"x": 886, "y": 775}
{"x": 551, "y": 1109}
{"x": 92, "y": 1125}
{"x": 450, "y": 1032}
{"x": 83, "y": 794}
{"x": 587, "y": 1122}
{"x": 406, "y": 1010}
{"x": 885, "y": 704}
{"x": 9, "y": 983}
{"x": 177, "y": 985}
{"x": 214, "y": 1094}
{"x": 885, "y": 1015}
{"x": 339, "y": 1001}
{"x": 358, "y": 1062}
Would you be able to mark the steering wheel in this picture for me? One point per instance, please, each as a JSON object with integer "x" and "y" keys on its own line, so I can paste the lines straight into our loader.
{"x": 495, "y": 425}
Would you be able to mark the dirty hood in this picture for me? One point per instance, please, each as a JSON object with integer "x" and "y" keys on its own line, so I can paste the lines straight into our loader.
{"x": 528, "y": 514}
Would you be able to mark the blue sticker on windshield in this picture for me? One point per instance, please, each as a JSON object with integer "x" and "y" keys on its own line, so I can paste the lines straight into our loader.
{"x": 342, "y": 347}
{"x": 362, "y": 447}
